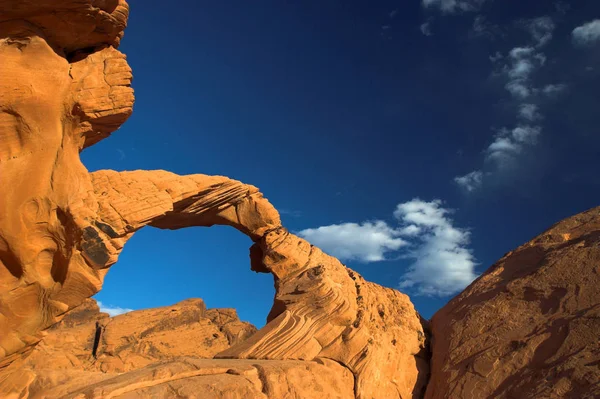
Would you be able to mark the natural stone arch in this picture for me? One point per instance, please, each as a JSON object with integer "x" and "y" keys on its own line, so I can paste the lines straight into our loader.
{"x": 322, "y": 309}
{"x": 61, "y": 227}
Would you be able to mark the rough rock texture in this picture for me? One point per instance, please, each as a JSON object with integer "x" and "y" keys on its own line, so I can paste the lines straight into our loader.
{"x": 87, "y": 340}
{"x": 212, "y": 379}
{"x": 529, "y": 327}
{"x": 61, "y": 228}
{"x": 323, "y": 309}
{"x": 70, "y": 26}
{"x": 48, "y": 108}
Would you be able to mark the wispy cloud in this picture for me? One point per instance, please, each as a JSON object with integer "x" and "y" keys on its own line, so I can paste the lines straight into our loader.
{"x": 540, "y": 29}
{"x": 426, "y": 28}
{"x": 112, "y": 310}
{"x": 508, "y": 144}
{"x": 529, "y": 112}
{"x": 562, "y": 7}
{"x": 454, "y": 6}
{"x": 587, "y": 34}
{"x": 497, "y": 56}
{"x": 289, "y": 212}
{"x": 517, "y": 68}
{"x": 485, "y": 29}
{"x": 442, "y": 264}
{"x": 471, "y": 181}
{"x": 552, "y": 90}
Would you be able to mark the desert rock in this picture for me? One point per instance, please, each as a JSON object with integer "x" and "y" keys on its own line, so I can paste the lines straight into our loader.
{"x": 62, "y": 228}
{"x": 528, "y": 327}
{"x": 88, "y": 342}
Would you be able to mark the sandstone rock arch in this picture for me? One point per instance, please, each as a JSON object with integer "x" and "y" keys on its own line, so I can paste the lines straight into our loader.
{"x": 61, "y": 227}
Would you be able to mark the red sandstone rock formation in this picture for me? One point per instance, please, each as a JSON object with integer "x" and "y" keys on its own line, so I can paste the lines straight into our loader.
{"x": 526, "y": 328}
{"x": 89, "y": 343}
{"x": 529, "y": 327}
{"x": 61, "y": 228}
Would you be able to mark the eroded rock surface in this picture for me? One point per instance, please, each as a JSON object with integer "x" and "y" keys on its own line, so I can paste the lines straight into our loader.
{"x": 71, "y": 26}
{"x": 235, "y": 379}
{"x": 323, "y": 309}
{"x": 330, "y": 333}
{"x": 528, "y": 327}
{"x": 88, "y": 342}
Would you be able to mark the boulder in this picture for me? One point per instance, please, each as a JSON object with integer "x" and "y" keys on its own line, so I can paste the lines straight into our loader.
{"x": 529, "y": 326}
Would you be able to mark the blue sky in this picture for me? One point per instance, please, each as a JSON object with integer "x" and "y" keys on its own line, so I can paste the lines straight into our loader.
{"x": 417, "y": 140}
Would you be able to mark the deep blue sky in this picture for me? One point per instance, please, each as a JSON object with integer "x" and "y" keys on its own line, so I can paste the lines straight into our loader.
{"x": 339, "y": 111}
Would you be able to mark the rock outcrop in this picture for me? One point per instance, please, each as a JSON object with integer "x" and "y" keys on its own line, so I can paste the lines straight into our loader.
{"x": 529, "y": 326}
{"x": 62, "y": 228}
{"x": 209, "y": 378}
{"x": 526, "y": 328}
{"x": 88, "y": 342}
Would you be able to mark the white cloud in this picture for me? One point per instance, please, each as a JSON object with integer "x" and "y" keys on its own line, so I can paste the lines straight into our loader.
{"x": 552, "y": 90}
{"x": 290, "y": 212}
{"x": 562, "y": 7}
{"x": 510, "y": 143}
{"x": 522, "y": 62}
{"x": 471, "y": 181}
{"x": 521, "y": 52}
{"x": 587, "y": 34}
{"x": 526, "y": 134}
{"x": 426, "y": 28}
{"x": 454, "y": 6}
{"x": 518, "y": 70}
{"x": 541, "y": 57}
{"x": 419, "y": 213}
{"x": 479, "y": 24}
{"x": 483, "y": 28}
{"x": 365, "y": 242}
{"x": 496, "y": 57}
{"x": 520, "y": 65}
{"x": 112, "y": 310}
{"x": 410, "y": 231}
{"x": 502, "y": 148}
{"x": 541, "y": 29}
{"x": 518, "y": 89}
{"x": 529, "y": 112}
{"x": 443, "y": 263}
{"x": 521, "y": 69}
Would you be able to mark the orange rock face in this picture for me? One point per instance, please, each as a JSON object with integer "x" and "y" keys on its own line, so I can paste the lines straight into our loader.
{"x": 330, "y": 333}
{"x": 323, "y": 309}
{"x": 529, "y": 326}
{"x": 87, "y": 342}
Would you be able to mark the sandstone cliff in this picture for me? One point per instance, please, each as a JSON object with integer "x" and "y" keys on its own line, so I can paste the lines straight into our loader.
{"x": 62, "y": 228}
{"x": 526, "y": 328}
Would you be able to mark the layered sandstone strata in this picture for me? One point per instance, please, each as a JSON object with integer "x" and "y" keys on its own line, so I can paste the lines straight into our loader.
{"x": 62, "y": 228}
